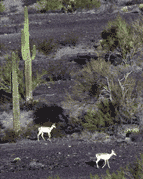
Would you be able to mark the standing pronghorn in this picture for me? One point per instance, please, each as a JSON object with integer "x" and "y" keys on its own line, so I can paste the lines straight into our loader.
{"x": 43, "y": 130}
{"x": 105, "y": 157}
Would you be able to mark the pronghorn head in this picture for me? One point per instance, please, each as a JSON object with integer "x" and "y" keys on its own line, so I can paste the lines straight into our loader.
{"x": 113, "y": 152}
{"x": 54, "y": 125}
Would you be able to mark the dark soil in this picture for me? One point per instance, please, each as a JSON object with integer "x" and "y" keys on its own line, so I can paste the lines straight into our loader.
{"x": 67, "y": 158}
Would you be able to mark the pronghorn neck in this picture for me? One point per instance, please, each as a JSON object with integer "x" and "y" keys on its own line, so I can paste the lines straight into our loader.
{"x": 52, "y": 127}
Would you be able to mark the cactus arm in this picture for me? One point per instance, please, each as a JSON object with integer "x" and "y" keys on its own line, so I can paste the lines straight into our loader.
{"x": 33, "y": 52}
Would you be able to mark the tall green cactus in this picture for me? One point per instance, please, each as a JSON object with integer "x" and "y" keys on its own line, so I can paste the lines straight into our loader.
{"x": 15, "y": 94}
{"x": 25, "y": 50}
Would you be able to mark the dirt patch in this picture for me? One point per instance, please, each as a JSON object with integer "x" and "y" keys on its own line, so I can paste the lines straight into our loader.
{"x": 68, "y": 158}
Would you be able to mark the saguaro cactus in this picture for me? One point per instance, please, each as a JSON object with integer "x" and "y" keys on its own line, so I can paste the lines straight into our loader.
{"x": 25, "y": 50}
{"x": 15, "y": 94}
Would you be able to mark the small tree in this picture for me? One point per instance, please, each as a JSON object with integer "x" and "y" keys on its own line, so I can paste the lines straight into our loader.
{"x": 122, "y": 37}
{"x": 122, "y": 93}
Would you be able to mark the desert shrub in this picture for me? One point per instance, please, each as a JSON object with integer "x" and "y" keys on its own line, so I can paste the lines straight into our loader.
{"x": 120, "y": 36}
{"x": 60, "y": 70}
{"x": 46, "y": 47}
{"x": 113, "y": 175}
{"x": 2, "y": 8}
{"x": 10, "y": 136}
{"x": 136, "y": 168}
{"x": 69, "y": 39}
{"x": 5, "y": 97}
{"x": 73, "y": 126}
{"x": 124, "y": 9}
{"x": 68, "y": 5}
{"x": 28, "y": 132}
{"x": 2, "y": 48}
{"x": 5, "y": 75}
{"x": 109, "y": 176}
{"x": 27, "y": 106}
{"x": 121, "y": 92}
{"x": 46, "y": 5}
{"x": 103, "y": 118}
{"x": 87, "y": 4}
{"x": 91, "y": 79}
{"x": 26, "y": 124}
{"x": 7, "y": 119}
{"x": 110, "y": 37}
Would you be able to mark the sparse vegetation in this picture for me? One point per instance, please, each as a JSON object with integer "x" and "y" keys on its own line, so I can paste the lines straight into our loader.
{"x": 47, "y": 46}
{"x": 69, "y": 39}
{"x": 122, "y": 37}
{"x": 6, "y": 79}
{"x": 67, "y": 5}
{"x": 2, "y": 8}
{"x": 114, "y": 89}
{"x": 46, "y": 5}
{"x": 87, "y": 4}
{"x": 125, "y": 9}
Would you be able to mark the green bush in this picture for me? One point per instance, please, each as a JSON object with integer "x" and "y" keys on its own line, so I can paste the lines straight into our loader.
{"x": 103, "y": 118}
{"x": 2, "y": 48}
{"x": 88, "y": 4}
{"x": 67, "y": 5}
{"x": 119, "y": 34}
{"x": 91, "y": 79}
{"x": 110, "y": 86}
{"x": 2, "y": 8}
{"x": 69, "y": 39}
{"x": 11, "y": 136}
{"x": 137, "y": 168}
{"x": 46, "y": 5}
{"x": 59, "y": 71}
{"x": 30, "y": 132}
{"x": 46, "y": 47}
{"x": 27, "y": 106}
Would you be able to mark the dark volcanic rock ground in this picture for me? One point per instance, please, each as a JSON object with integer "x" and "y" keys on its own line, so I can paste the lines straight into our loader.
{"x": 67, "y": 158}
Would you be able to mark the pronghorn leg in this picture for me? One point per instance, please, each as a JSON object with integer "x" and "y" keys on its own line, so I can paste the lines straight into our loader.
{"x": 38, "y": 136}
{"x": 42, "y": 136}
{"x": 104, "y": 164}
{"x": 49, "y": 137}
{"x": 108, "y": 163}
{"x": 97, "y": 163}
